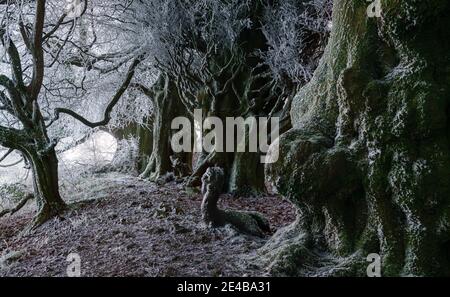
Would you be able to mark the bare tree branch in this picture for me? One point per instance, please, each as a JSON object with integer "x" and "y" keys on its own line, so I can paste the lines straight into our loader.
{"x": 38, "y": 52}
{"x": 111, "y": 105}
{"x": 12, "y": 164}
{"x": 9, "y": 152}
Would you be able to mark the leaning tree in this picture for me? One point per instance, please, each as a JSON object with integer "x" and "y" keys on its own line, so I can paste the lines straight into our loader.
{"x": 368, "y": 159}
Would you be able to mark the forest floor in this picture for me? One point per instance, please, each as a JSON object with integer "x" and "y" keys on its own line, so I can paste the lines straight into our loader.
{"x": 123, "y": 226}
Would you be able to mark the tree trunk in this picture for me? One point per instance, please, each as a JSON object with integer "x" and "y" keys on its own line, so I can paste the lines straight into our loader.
{"x": 247, "y": 172}
{"x": 145, "y": 135}
{"x": 46, "y": 186}
{"x": 367, "y": 163}
{"x": 244, "y": 172}
{"x": 247, "y": 175}
{"x": 167, "y": 106}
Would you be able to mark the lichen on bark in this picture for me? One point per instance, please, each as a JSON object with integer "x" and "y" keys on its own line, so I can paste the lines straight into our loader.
{"x": 368, "y": 157}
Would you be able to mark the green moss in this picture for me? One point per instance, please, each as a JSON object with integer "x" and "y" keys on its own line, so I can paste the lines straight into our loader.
{"x": 368, "y": 158}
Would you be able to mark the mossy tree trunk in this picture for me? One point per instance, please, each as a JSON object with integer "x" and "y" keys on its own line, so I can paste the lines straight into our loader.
{"x": 367, "y": 163}
{"x": 145, "y": 135}
{"x": 167, "y": 106}
{"x": 39, "y": 151}
{"x": 20, "y": 101}
{"x": 46, "y": 185}
{"x": 246, "y": 173}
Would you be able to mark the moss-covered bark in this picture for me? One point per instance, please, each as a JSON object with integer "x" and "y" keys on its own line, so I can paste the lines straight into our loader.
{"x": 246, "y": 176}
{"x": 39, "y": 151}
{"x": 167, "y": 106}
{"x": 46, "y": 185}
{"x": 367, "y": 163}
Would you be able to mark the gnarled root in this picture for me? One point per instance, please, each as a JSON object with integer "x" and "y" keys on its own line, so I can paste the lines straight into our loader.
{"x": 251, "y": 223}
{"x": 44, "y": 214}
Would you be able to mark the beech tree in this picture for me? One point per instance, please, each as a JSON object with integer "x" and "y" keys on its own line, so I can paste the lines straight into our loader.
{"x": 368, "y": 158}
{"x": 227, "y": 58}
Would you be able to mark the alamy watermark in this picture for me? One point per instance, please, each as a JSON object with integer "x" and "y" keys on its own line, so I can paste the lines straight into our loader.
{"x": 374, "y": 268}
{"x": 254, "y": 135}
{"x": 74, "y": 267}
{"x": 374, "y": 9}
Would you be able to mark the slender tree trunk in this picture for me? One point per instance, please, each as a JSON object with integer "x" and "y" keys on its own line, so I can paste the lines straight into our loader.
{"x": 367, "y": 163}
{"x": 159, "y": 163}
{"x": 145, "y": 135}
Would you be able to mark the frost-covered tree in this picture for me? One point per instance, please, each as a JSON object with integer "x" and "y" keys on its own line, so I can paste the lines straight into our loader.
{"x": 223, "y": 57}
{"x": 39, "y": 88}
